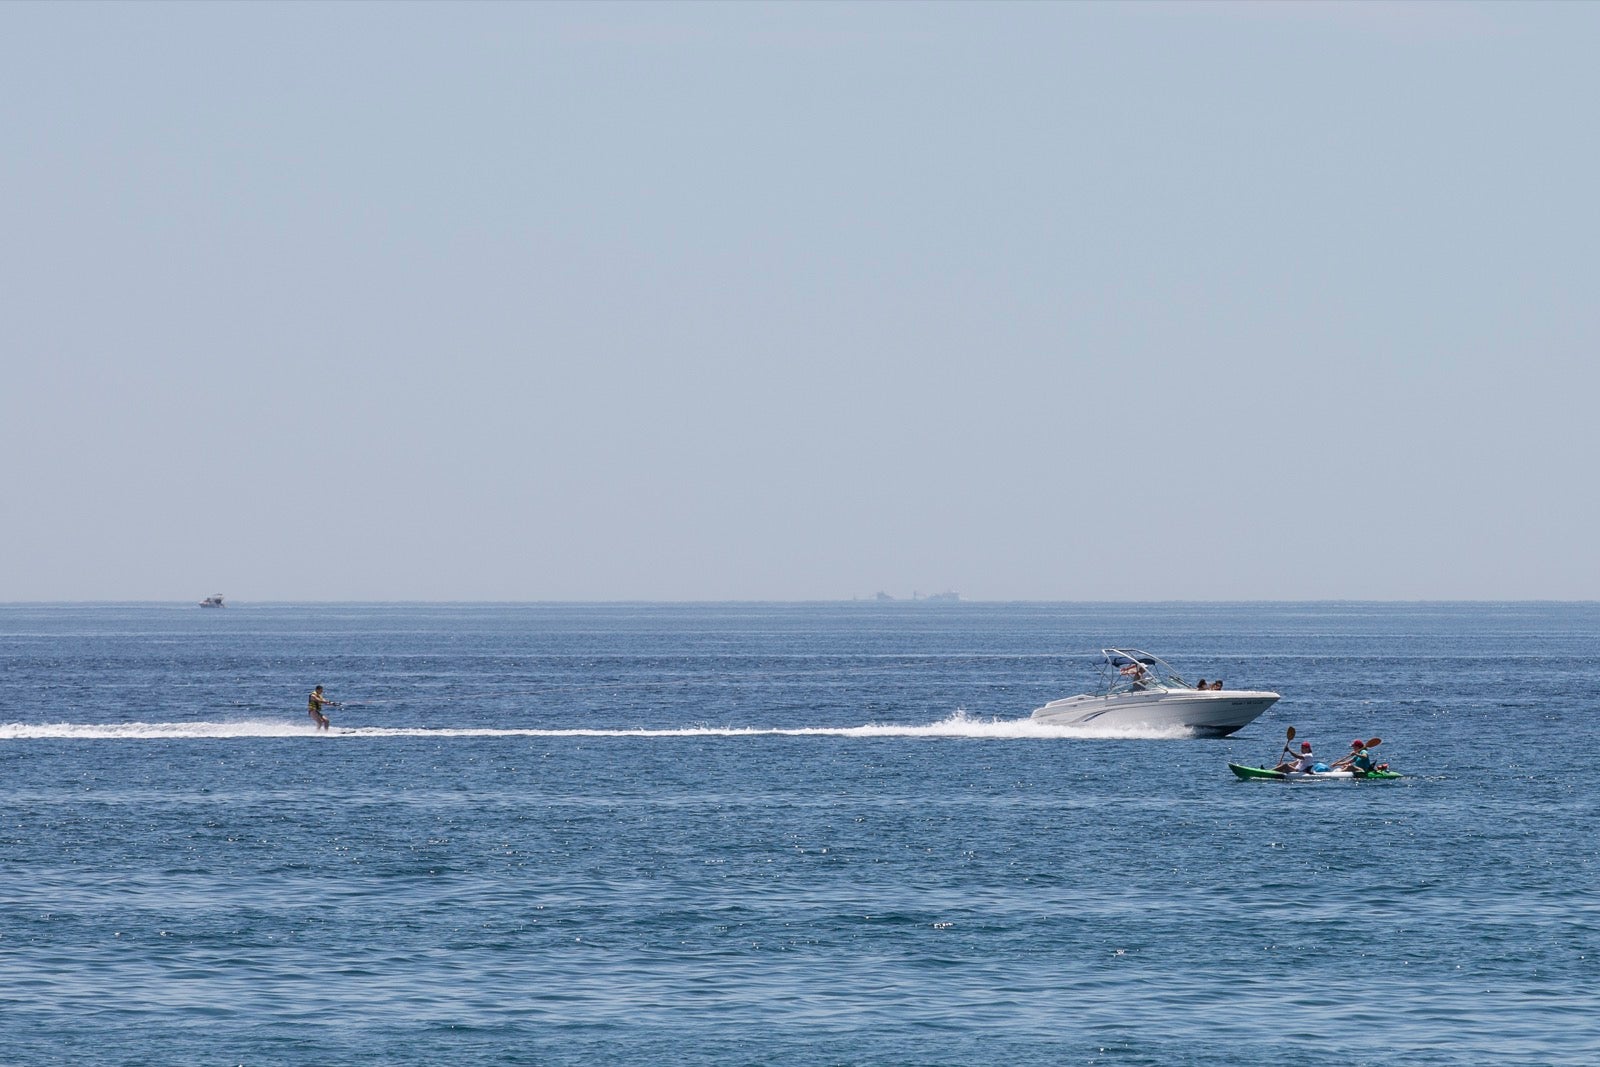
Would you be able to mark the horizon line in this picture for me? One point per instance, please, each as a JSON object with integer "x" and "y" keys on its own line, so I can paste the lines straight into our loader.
{"x": 834, "y": 600}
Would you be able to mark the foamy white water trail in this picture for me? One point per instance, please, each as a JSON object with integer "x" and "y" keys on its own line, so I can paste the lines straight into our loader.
{"x": 958, "y": 725}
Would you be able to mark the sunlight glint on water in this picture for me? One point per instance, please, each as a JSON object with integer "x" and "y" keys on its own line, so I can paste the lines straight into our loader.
{"x": 801, "y": 834}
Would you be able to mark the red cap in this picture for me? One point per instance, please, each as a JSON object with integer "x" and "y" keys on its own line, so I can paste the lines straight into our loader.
{"x": 1305, "y": 746}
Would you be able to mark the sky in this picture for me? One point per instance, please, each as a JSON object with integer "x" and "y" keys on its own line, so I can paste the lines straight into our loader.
{"x": 799, "y": 301}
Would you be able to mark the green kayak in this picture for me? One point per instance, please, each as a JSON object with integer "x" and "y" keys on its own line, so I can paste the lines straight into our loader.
{"x": 1341, "y": 775}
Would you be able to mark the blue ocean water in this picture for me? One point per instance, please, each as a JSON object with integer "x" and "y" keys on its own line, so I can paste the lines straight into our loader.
{"x": 788, "y": 834}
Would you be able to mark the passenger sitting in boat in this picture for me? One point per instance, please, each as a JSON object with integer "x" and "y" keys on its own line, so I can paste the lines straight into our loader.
{"x": 1217, "y": 684}
{"x": 1136, "y": 673}
{"x": 1201, "y": 684}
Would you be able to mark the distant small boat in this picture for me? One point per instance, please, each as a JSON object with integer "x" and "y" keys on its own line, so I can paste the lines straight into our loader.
{"x": 213, "y": 601}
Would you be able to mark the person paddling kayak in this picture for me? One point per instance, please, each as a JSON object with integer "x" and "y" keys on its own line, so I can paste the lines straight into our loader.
{"x": 314, "y": 705}
{"x": 1361, "y": 758}
{"x": 1306, "y": 761}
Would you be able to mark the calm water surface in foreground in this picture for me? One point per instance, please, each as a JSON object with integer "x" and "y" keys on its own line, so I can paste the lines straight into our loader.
{"x": 798, "y": 834}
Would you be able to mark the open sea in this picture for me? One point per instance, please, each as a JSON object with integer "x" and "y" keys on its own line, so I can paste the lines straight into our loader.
{"x": 789, "y": 834}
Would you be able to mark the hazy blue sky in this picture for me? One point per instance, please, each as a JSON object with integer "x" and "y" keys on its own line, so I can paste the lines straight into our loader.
{"x": 804, "y": 301}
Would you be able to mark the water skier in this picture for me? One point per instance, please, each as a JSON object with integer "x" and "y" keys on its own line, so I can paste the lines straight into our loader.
{"x": 314, "y": 705}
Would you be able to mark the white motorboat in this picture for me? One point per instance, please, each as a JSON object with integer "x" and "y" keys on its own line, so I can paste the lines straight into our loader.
{"x": 1139, "y": 689}
{"x": 213, "y": 601}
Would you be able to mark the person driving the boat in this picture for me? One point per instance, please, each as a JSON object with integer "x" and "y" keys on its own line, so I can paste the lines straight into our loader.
{"x": 1136, "y": 674}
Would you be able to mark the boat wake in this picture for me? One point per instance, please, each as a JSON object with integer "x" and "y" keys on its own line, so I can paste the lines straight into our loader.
{"x": 958, "y": 725}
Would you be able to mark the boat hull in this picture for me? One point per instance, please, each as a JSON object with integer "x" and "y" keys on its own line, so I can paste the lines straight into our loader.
{"x": 1269, "y": 775}
{"x": 1206, "y": 713}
